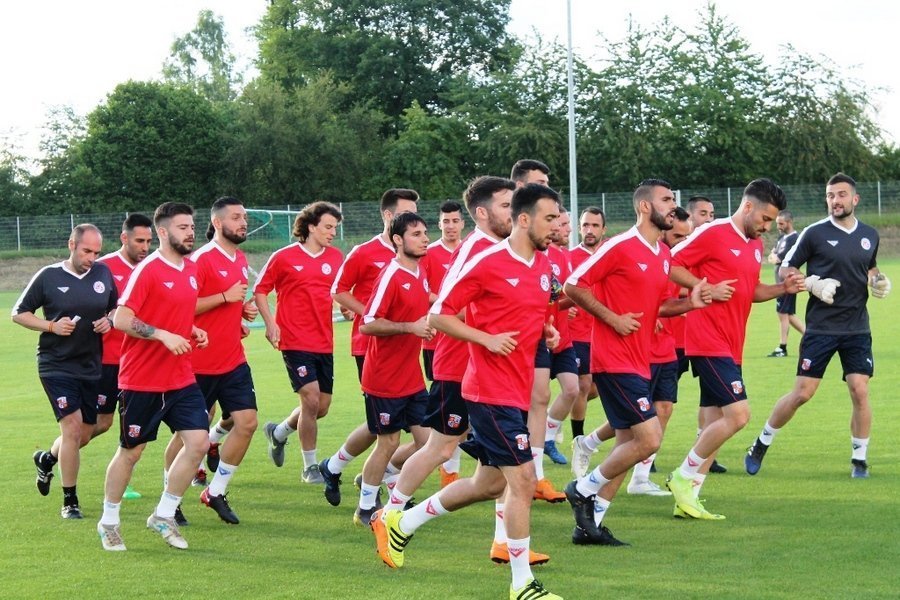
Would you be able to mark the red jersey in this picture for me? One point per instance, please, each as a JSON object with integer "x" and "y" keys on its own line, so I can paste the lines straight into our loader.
{"x": 121, "y": 271}
{"x": 163, "y": 295}
{"x": 662, "y": 348}
{"x": 302, "y": 282}
{"x": 216, "y": 272}
{"x": 627, "y": 275}
{"x": 559, "y": 264}
{"x": 719, "y": 251}
{"x": 500, "y": 292}
{"x": 450, "y": 354}
{"x": 357, "y": 275}
{"x": 391, "y": 368}
{"x": 580, "y": 326}
{"x": 435, "y": 263}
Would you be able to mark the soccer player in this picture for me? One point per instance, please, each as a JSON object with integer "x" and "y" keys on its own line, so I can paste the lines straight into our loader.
{"x": 701, "y": 210}
{"x": 785, "y": 306}
{"x": 156, "y": 377}
{"x": 392, "y": 378}
{"x": 625, "y": 286}
{"x": 505, "y": 291}
{"x": 301, "y": 276}
{"x": 352, "y": 289}
{"x": 729, "y": 252}
{"x": 840, "y": 255}
{"x": 75, "y": 296}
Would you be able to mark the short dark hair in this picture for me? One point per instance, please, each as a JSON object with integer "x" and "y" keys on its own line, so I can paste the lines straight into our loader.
{"x": 766, "y": 191}
{"x": 525, "y": 198}
{"x": 481, "y": 190}
{"x": 224, "y": 201}
{"x": 842, "y": 178}
{"x": 391, "y": 197}
{"x": 522, "y": 167}
{"x": 311, "y": 214}
{"x": 786, "y": 215}
{"x": 136, "y": 220}
{"x": 594, "y": 210}
{"x": 681, "y": 214}
{"x": 400, "y": 223}
{"x": 165, "y": 211}
{"x": 697, "y": 198}
{"x": 642, "y": 192}
{"x": 451, "y": 206}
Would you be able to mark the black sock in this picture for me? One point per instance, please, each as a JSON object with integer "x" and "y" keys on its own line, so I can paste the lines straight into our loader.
{"x": 577, "y": 427}
{"x": 48, "y": 461}
{"x": 783, "y": 347}
{"x": 70, "y": 496}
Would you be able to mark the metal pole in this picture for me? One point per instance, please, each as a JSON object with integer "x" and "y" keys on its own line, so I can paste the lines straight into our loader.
{"x": 341, "y": 226}
{"x": 729, "y": 201}
{"x": 603, "y": 205}
{"x": 72, "y": 220}
{"x": 18, "y": 235}
{"x": 573, "y": 175}
{"x": 879, "y": 198}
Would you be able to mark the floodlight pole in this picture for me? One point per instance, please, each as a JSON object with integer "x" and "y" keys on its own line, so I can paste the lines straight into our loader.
{"x": 573, "y": 175}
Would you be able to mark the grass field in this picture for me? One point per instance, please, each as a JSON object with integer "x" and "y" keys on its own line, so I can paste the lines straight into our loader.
{"x": 800, "y": 529}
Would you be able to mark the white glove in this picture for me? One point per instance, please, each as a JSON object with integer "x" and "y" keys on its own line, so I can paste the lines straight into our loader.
{"x": 881, "y": 286}
{"x": 772, "y": 259}
{"x": 823, "y": 289}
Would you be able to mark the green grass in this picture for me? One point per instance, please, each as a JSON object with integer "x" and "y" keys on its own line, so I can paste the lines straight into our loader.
{"x": 800, "y": 529}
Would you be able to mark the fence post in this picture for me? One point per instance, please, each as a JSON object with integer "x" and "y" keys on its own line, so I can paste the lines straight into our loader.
{"x": 72, "y": 220}
{"x": 879, "y": 198}
{"x": 678, "y": 197}
{"x": 341, "y": 226}
{"x": 18, "y": 235}
{"x": 729, "y": 201}
{"x": 603, "y": 205}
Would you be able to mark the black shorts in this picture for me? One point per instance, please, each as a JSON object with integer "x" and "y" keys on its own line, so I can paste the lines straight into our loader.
{"x": 305, "y": 367}
{"x": 359, "y": 365}
{"x": 67, "y": 395}
{"x": 542, "y": 356}
{"x": 582, "y": 357}
{"x": 108, "y": 389}
{"x": 232, "y": 390}
{"x": 786, "y": 304}
{"x": 664, "y": 381}
{"x": 683, "y": 363}
{"x": 447, "y": 412}
{"x": 626, "y": 399}
{"x": 140, "y": 413}
{"x": 499, "y": 435}
{"x": 427, "y": 362}
{"x": 564, "y": 361}
{"x": 721, "y": 380}
{"x": 855, "y": 352}
{"x": 389, "y": 415}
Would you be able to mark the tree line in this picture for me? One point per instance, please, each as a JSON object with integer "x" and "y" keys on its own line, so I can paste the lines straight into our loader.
{"x": 354, "y": 96}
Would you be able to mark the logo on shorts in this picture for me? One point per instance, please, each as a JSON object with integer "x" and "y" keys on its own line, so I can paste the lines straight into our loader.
{"x": 577, "y": 362}
{"x": 62, "y": 403}
{"x": 805, "y": 364}
{"x": 100, "y": 288}
{"x": 737, "y": 386}
{"x": 454, "y": 421}
{"x": 643, "y": 404}
{"x": 301, "y": 370}
{"x": 134, "y": 431}
{"x": 101, "y": 399}
{"x": 545, "y": 283}
{"x": 326, "y": 268}
{"x": 522, "y": 441}
{"x": 758, "y": 255}
{"x": 193, "y": 282}
{"x": 384, "y": 418}
{"x": 865, "y": 243}
{"x": 555, "y": 268}
{"x": 666, "y": 267}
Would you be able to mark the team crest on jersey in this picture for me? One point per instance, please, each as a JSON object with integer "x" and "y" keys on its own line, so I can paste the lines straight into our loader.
{"x": 193, "y": 282}
{"x": 134, "y": 431}
{"x": 454, "y": 421}
{"x": 545, "y": 283}
{"x": 326, "y": 268}
{"x": 737, "y": 386}
{"x": 101, "y": 399}
{"x": 384, "y": 418}
{"x": 865, "y": 243}
{"x": 758, "y": 255}
{"x": 805, "y": 364}
{"x": 555, "y": 268}
{"x": 666, "y": 267}
{"x": 99, "y": 287}
{"x": 301, "y": 370}
{"x": 643, "y": 404}
{"x": 62, "y": 403}
{"x": 522, "y": 441}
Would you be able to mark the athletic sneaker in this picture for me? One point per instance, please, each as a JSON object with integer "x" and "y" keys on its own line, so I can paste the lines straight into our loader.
{"x": 754, "y": 458}
{"x": 180, "y": 519}
{"x": 131, "y": 493}
{"x": 777, "y": 353}
{"x": 212, "y": 457}
{"x": 168, "y": 529}
{"x": 683, "y": 490}
{"x": 531, "y": 591}
{"x": 332, "y": 484}
{"x": 311, "y": 475}
{"x": 604, "y": 537}
{"x": 545, "y": 491}
{"x": 363, "y": 516}
{"x": 276, "y": 448}
{"x": 715, "y": 467}
{"x": 110, "y": 537}
{"x": 582, "y": 509}
{"x": 447, "y": 477}
{"x": 500, "y": 555}
{"x": 390, "y": 541}
{"x": 553, "y": 452}
{"x": 44, "y": 473}
{"x": 199, "y": 478}
{"x": 645, "y": 487}
{"x": 859, "y": 469}
{"x": 705, "y": 515}
{"x": 581, "y": 457}
{"x": 220, "y": 505}
{"x": 71, "y": 512}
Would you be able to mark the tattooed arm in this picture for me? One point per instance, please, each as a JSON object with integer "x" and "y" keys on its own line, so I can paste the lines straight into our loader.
{"x": 125, "y": 320}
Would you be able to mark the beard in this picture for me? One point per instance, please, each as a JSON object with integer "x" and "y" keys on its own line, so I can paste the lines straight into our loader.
{"x": 539, "y": 243}
{"x": 183, "y": 247}
{"x": 233, "y": 236}
{"x": 501, "y": 229}
{"x": 659, "y": 219}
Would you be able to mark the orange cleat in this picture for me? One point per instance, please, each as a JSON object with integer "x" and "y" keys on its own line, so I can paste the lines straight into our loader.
{"x": 545, "y": 491}
{"x": 447, "y": 477}
{"x": 500, "y": 555}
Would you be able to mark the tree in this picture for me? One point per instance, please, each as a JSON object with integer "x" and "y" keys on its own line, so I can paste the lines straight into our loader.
{"x": 202, "y": 60}
{"x": 13, "y": 184}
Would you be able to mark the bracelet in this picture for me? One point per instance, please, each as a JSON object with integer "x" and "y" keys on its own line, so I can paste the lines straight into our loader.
{"x": 50, "y": 327}
{"x": 224, "y": 299}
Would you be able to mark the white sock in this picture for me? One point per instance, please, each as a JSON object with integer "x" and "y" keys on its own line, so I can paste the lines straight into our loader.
{"x": 860, "y": 446}
{"x": 309, "y": 458}
{"x": 421, "y": 513}
{"x": 220, "y": 480}
{"x": 591, "y": 441}
{"x": 538, "y": 455}
{"x": 340, "y": 460}
{"x": 590, "y": 485}
{"x": 167, "y": 505}
{"x": 518, "y": 561}
{"x": 398, "y": 500}
{"x": 110, "y": 513}
{"x": 283, "y": 431}
{"x": 452, "y": 464}
{"x": 552, "y": 428}
{"x": 697, "y": 483}
{"x": 691, "y": 464}
{"x": 642, "y": 469}
{"x": 390, "y": 481}
{"x": 367, "y": 495}
{"x": 601, "y": 505}
{"x": 768, "y": 434}
{"x": 499, "y": 525}
{"x": 216, "y": 433}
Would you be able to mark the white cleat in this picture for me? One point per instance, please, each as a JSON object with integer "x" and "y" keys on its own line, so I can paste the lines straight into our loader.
{"x": 168, "y": 529}
{"x": 111, "y": 537}
{"x": 645, "y": 487}
{"x": 581, "y": 457}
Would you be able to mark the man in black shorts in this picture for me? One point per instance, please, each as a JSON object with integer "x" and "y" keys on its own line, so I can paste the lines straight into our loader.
{"x": 785, "y": 306}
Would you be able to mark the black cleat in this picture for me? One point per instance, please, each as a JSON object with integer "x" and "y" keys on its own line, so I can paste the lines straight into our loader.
{"x": 71, "y": 512}
{"x": 332, "y": 484}
{"x": 582, "y": 509}
{"x": 754, "y": 458}
{"x": 605, "y": 538}
{"x": 220, "y": 505}
{"x": 363, "y": 516}
{"x": 212, "y": 457}
{"x": 715, "y": 467}
{"x": 44, "y": 472}
{"x": 180, "y": 519}
{"x": 859, "y": 469}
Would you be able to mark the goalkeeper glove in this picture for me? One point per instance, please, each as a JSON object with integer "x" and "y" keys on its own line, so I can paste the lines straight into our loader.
{"x": 881, "y": 286}
{"x": 823, "y": 289}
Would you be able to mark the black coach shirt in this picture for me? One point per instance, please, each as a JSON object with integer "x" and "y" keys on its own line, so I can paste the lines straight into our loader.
{"x": 62, "y": 293}
{"x": 782, "y": 247}
{"x": 829, "y": 250}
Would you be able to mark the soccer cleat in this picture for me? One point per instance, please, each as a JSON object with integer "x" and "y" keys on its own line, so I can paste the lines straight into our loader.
{"x": 390, "y": 541}
{"x": 545, "y": 491}
{"x": 168, "y": 529}
{"x": 777, "y": 353}
{"x": 859, "y": 469}
{"x": 110, "y": 537}
{"x": 332, "y": 484}
{"x": 604, "y": 537}
{"x": 180, "y": 519}
{"x": 447, "y": 477}
{"x": 500, "y": 555}
{"x": 705, "y": 515}
{"x": 276, "y": 448}
{"x": 220, "y": 505}
{"x": 363, "y": 516}
{"x": 533, "y": 590}
{"x": 553, "y": 452}
{"x": 199, "y": 478}
{"x": 683, "y": 490}
{"x": 311, "y": 475}
{"x": 581, "y": 457}
{"x": 715, "y": 467}
{"x": 131, "y": 494}
{"x": 755, "y": 454}
{"x": 212, "y": 457}
{"x": 582, "y": 509}
{"x": 645, "y": 487}
{"x": 44, "y": 473}
{"x": 71, "y": 512}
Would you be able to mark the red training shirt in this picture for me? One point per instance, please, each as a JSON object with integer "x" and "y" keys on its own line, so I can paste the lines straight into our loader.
{"x": 121, "y": 271}
{"x": 580, "y": 326}
{"x": 435, "y": 263}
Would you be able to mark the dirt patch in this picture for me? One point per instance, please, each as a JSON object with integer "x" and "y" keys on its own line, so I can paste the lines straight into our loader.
{"x": 15, "y": 273}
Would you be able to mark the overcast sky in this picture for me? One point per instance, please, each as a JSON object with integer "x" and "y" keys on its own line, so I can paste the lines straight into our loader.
{"x": 75, "y": 52}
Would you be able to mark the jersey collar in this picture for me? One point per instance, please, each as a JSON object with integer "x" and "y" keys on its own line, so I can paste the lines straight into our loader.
{"x": 841, "y": 227}
{"x": 310, "y": 254}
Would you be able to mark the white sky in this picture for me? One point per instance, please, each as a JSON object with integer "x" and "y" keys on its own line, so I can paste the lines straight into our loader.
{"x": 74, "y": 53}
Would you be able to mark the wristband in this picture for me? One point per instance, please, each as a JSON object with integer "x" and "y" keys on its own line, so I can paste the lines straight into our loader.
{"x": 50, "y": 327}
